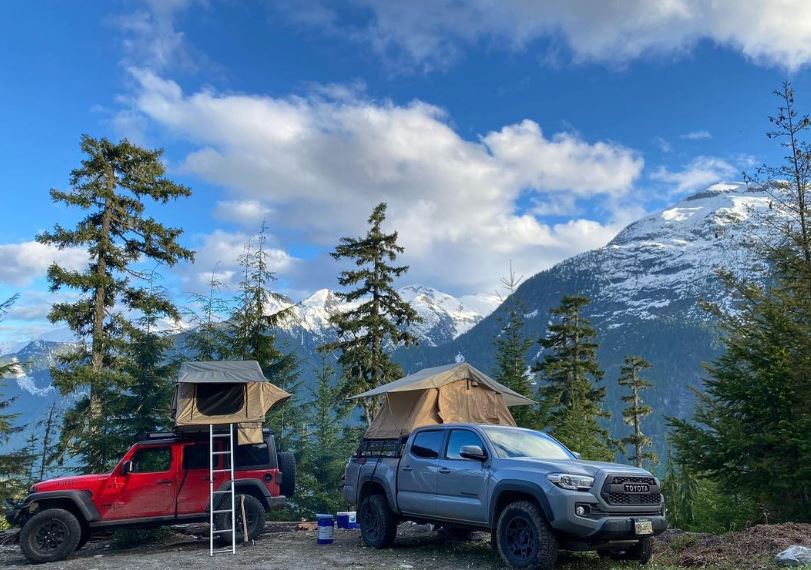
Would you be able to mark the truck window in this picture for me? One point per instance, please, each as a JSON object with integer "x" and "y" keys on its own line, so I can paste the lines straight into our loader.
{"x": 428, "y": 444}
{"x": 458, "y": 439}
{"x": 252, "y": 455}
{"x": 151, "y": 460}
{"x": 196, "y": 456}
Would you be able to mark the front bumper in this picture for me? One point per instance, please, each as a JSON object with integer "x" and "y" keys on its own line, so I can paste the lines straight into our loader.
{"x": 12, "y": 513}
{"x": 603, "y": 523}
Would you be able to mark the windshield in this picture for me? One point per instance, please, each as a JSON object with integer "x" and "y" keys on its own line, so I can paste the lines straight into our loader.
{"x": 511, "y": 443}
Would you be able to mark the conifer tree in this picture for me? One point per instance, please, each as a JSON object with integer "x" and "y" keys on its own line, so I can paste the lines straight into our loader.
{"x": 112, "y": 186}
{"x": 511, "y": 352}
{"x": 13, "y": 464}
{"x": 252, "y": 336}
{"x": 48, "y": 450}
{"x": 380, "y": 320}
{"x": 571, "y": 404}
{"x": 208, "y": 337}
{"x": 630, "y": 376}
{"x": 750, "y": 428}
{"x": 326, "y": 445}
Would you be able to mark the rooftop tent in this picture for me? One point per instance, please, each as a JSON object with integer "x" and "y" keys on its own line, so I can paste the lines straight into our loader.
{"x": 224, "y": 392}
{"x": 443, "y": 394}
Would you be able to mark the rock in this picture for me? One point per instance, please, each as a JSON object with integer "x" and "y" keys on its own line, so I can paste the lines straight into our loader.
{"x": 794, "y": 555}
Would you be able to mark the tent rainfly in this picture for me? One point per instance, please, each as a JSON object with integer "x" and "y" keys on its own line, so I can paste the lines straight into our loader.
{"x": 443, "y": 394}
{"x": 224, "y": 392}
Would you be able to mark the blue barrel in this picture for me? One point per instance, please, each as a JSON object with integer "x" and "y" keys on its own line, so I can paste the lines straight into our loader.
{"x": 342, "y": 519}
{"x": 326, "y": 529}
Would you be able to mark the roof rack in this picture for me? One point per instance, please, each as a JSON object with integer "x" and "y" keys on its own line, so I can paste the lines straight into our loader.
{"x": 183, "y": 434}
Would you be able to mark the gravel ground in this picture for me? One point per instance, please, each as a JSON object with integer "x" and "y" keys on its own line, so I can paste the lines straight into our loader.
{"x": 281, "y": 546}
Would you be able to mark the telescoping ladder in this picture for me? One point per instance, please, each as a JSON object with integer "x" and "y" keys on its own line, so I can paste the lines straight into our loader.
{"x": 218, "y": 506}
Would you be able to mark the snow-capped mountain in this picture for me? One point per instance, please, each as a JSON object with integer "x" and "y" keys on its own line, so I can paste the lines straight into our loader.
{"x": 674, "y": 255}
{"x": 444, "y": 317}
{"x": 645, "y": 288}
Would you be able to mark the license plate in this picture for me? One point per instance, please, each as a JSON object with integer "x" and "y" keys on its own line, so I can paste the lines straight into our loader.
{"x": 643, "y": 527}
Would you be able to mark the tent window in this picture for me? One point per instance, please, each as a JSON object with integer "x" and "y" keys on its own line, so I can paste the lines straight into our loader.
{"x": 218, "y": 399}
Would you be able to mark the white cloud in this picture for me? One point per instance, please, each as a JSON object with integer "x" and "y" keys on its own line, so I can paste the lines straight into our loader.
{"x": 321, "y": 164}
{"x": 701, "y": 135}
{"x": 218, "y": 253}
{"x": 245, "y": 212}
{"x": 433, "y": 33}
{"x": 22, "y": 263}
{"x": 697, "y": 174}
{"x": 151, "y": 37}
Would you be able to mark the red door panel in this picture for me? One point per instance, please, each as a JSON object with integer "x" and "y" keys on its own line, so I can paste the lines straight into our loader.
{"x": 147, "y": 489}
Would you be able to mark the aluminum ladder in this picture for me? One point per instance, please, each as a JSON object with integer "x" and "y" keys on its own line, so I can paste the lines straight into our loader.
{"x": 216, "y": 505}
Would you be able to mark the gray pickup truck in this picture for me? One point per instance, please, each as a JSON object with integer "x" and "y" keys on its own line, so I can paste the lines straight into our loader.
{"x": 531, "y": 493}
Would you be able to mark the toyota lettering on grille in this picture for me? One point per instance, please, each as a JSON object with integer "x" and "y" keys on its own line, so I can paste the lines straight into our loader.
{"x": 636, "y": 488}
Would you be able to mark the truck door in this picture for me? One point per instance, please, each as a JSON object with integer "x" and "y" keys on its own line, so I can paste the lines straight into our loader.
{"x": 417, "y": 477}
{"x": 462, "y": 483}
{"x": 148, "y": 487}
{"x": 194, "y": 491}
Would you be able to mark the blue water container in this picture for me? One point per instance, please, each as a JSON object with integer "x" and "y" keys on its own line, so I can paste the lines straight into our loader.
{"x": 326, "y": 529}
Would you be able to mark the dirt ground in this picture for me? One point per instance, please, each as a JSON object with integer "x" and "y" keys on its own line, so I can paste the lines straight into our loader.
{"x": 282, "y": 546}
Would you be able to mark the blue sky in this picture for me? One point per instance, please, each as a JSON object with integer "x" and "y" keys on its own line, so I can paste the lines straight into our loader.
{"x": 495, "y": 131}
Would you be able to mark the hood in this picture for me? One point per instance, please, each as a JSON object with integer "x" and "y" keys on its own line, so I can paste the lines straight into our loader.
{"x": 574, "y": 467}
{"x": 73, "y": 483}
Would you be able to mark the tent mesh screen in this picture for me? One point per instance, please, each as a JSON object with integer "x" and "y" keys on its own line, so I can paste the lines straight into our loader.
{"x": 220, "y": 399}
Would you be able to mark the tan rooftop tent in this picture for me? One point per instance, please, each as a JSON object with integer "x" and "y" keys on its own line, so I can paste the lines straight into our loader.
{"x": 443, "y": 394}
{"x": 225, "y": 392}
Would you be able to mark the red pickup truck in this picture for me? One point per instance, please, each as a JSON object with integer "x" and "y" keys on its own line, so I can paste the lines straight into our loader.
{"x": 161, "y": 480}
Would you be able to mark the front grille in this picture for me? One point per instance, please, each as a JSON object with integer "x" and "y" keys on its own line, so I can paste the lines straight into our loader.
{"x": 614, "y": 491}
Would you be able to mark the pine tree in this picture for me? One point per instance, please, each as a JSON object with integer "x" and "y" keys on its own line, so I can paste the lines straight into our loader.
{"x": 637, "y": 410}
{"x": 326, "y": 445}
{"x": 511, "y": 352}
{"x": 13, "y": 464}
{"x": 144, "y": 405}
{"x": 252, "y": 336}
{"x": 48, "y": 450}
{"x": 112, "y": 186}
{"x": 750, "y": 428}
{"x": 380, "y": 321}
{"x": 208, "y": 337}
{"x": 571, "y": 404}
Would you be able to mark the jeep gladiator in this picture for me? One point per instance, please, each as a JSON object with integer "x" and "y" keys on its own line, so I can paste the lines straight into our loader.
{"x": 526, "y": 488}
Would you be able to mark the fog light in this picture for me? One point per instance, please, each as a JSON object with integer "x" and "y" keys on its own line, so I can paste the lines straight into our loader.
{"x": 582, "y": 510}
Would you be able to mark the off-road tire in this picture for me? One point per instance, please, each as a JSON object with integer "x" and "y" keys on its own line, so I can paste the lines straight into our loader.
{"x": 456, "y": 533}
{"x": 50, "y": 535}
{"x": 287, "y": 465}
{"x": 641, "y": 551}
{"x": 254, "y": 511}
{"x": 378, "y": 524}
{"x": 524, "y": 538}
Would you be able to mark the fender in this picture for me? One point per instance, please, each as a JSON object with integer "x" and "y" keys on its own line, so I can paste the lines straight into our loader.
{"x": 527, "y": 487}
{"x": 81, "y": 499}
{"x": 247, "y": 487}
{"x": 386, "y": 489}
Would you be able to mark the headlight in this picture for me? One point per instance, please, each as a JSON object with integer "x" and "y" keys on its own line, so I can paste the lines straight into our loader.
{"x": 571, "y": 482}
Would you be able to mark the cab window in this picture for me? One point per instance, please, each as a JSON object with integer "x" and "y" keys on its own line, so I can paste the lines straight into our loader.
{"x": 458, "y": 439}
{"x": 196, "y": 456}
{"x": 428, "y": 444}
{"x": 151, "y": 460}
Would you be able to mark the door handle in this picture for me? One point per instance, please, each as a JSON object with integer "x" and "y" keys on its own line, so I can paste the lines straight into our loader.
{"x": 408, "y": 468}
{"x": 444, "y": 470}
{"x": 164, "y": 482}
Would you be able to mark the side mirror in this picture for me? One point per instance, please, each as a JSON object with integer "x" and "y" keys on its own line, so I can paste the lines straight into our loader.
{"x": 577, "y": 455}
{"x": 126, "y": 468}
{"x": 474, "y": 452}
